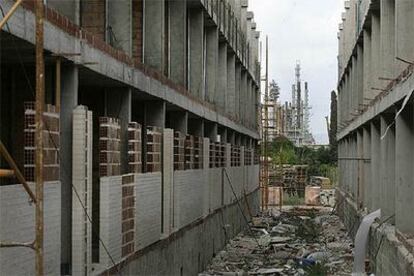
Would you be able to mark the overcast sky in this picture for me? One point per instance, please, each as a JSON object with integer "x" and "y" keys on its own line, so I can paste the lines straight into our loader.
{"x": 304, "y": 30}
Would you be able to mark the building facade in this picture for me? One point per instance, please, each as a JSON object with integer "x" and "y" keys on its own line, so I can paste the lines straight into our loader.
{"x": 375, "y": 127}
{"x": 151, "y": 124}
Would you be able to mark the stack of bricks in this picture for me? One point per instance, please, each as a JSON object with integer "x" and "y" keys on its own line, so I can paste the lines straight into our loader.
{"x": 235, "y": 156}
{"x": 153, "y": 153}
{"x": 189, "y": 152}
{"x": 179, "y": 152}
{"x": 134, "y": 147}
{"x": 212, "y": 155}
{"x": 247, "y": 157}
{"x": 198, "y": 152}
{"x": 109, "y": 146}
{"x": 256, "y": 157}
{"x": 51, "y": 142}
{"x": 128, "y": 215}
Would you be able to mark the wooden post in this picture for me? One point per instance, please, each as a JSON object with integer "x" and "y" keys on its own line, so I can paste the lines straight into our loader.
{"x": 40, "y": 102}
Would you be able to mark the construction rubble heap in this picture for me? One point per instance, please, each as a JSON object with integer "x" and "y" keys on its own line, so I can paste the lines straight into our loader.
{"x": 295, "y": 241}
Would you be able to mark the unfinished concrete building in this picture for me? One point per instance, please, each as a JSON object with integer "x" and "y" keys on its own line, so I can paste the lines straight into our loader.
{"x": 150, "y": 139}
{"x": 376, "y": 127}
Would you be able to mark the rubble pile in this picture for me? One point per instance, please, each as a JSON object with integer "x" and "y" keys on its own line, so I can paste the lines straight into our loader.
{"x": 296, "y": 241}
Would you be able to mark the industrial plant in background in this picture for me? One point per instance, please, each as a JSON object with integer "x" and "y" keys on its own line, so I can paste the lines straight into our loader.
{"x": 290, "y": 119}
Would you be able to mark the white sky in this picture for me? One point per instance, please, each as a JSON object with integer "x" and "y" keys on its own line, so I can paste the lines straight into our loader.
{"x": 304, "y": 30}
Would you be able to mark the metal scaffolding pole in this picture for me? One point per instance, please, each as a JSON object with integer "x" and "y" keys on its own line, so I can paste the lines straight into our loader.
{"x": 40, "y": 102}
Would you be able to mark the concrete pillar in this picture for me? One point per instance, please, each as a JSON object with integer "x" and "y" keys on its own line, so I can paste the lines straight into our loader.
{"x": 222, "y": 77}
{"x": 404, "y": 29}
{"x": 196, "y": 52}
{"x": 387, "y": 166}
{"x": 70, "y": 9}
{"x": 155, "y": 113}
{"x": 196, "y": 127}
{"x": 69, "y": 100}
{"x": 367, "y": 66}
{"x": 178, "y": 120}
{"x": 249, "y": 104}
{"x": 404, "y": 173}
{"x": 238, "y": 90}
{"x": 231, "y": 84}
{"x": 388, "y": 60}
{"x": 375, "y": 53}
{"x": 119, "y": 26}
{"x": 367, "y": 166}
{"x": 212, "y": 53}
{"x": 238, "y": 139}
{"x": 178, "y": 41}
{"x": 154, "y": 34}
{"x": 222, "y": 131}
{"x": 231, "y": 137}
{"x": 119, "y": 106}
{"x": 211, "y": 131}
{"x": 167, "y": 183}
{"x": 375, "y": 165}
{"x": 360, "y": 156}
{"x": 243, "y": 95}
{"x": 360, "y": 76}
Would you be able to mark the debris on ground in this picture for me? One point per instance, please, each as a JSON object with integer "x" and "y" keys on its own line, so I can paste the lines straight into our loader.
{"x": 295, "y": 241}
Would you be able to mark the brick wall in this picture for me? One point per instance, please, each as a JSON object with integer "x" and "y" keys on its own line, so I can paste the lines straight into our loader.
{"x": 189, "y": 152}
{"x": 247, "y": 157}
{"x": 134, "y": 147}
{"x": 179, "y": 152}
{"x": 51, "y": 142}
{"x": 198, "y": 152}
{"x": 17, "y": 223}
{"x": 93, "y": 17}
{"x": 109, "y": 146}
{"x": 153, "y": 149}
{"x": 137, "y": 30}
{"x": 235, "y": 156}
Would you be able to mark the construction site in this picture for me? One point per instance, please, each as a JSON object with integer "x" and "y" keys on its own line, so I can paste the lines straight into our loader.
{"x": 148, "y": 137}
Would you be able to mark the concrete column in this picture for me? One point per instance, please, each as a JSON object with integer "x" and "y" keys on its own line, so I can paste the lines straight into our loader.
{"x": 387, "y": 167}
{"x": 238, "y": 139}
{"x": 178, "y": 120}
{"x": 360, "y": 76}
{"x": 231, "y": 137}
{"x": 155, "y": 113}
{"x": 375, "y": 54}
{"x": 178, "y": 41}
{"x": 119, "y": 106}
{"x": 404, "y": 29}
{"x": 238, "y": 88}
{"x": 223, "y": 134}
{"x": 249, "y": 102}
{"x": 154, "y": 34}
{"x": 360, "y": 156}
{"x": 119, "y": 25}
{"x": 367, "y": 66}
{"x": 367, "y": 167}
{"x": 375, "y": 165}
{"x": 196, "y": 127}
{"x": 388, "y": 60}
{"x": 243, "y": 95}
{"x": 222, "y": 77}
{"x": 70, "y": 9}
{"x": 211, "y": 131}
{"x": 231, "y": 84}
{"x": 404, "y": 176}
{"x": 196, "y": 52}
{"x": 69, "y": 100}
{"x": 212, "y": 53}
{"x": 167, "y": 183}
